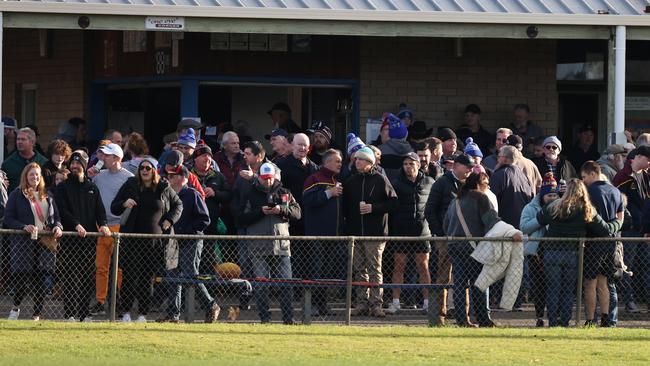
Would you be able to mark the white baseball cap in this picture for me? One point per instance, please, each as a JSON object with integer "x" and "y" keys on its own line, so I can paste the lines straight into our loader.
{"x": 112, "y": 149}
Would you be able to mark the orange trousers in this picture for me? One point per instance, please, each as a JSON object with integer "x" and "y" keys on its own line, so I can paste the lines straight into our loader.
{"x": 103, "y": 257}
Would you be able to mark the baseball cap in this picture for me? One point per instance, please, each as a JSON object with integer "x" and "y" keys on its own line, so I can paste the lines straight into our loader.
{"x": 112, "y": 149}
{"x": 267, "y": 171}
{"x": 413, "y": 156}
{"x": 615, "y": 149}
{"x": 465, "y": 160}
{"x": 277, "y": 132}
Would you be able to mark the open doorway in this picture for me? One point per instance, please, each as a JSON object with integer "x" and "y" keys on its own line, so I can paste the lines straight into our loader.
{"x": 577, "y": 109}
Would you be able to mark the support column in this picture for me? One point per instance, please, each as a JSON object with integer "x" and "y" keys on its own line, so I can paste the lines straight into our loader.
{"x": 2, "y": 135}
{"x": 190, "y": 98}
{"x": 619, "y": 87}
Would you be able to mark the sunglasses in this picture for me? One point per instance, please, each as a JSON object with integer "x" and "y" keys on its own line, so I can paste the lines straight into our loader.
{"x": 550, "y": 147}
{"x": 145, "y": 167}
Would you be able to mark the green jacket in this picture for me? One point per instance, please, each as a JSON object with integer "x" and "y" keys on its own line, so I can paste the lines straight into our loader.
{"x": 14, "y": 165}
{"x": 573, "y": 226}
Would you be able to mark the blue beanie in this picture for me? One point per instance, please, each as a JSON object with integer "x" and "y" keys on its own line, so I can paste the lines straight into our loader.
{"x": 396, "y": 128}
{"x": 354, "y": 144}
{"x": 472, "y": 149}
{"x": 188, "y": 138}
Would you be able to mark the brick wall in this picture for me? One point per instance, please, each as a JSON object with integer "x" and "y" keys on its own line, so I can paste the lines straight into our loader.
{"x": 495, "y": 74}
{"x": 59, "y": 78}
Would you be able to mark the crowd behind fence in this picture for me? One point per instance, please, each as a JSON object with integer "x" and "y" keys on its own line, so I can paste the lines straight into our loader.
{"x": 189, "y": 278}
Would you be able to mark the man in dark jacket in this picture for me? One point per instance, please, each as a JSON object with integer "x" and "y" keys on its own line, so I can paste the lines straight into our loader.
{"x": 81, "y": 209}
{"x": 511, "y": 186}
{"x": 295, "y": 170}
{"x": 444, "y": 190}
{"x": 412, "y": 187}
{"x": 193, "y": 221}
{"x": 367, "y": 200}
{"x": 267, "y": 209}
{"x": 324, "y": 216}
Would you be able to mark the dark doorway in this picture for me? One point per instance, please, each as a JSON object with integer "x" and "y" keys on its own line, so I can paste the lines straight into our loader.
{"x": 575, "y": 111}
{"x": 161, "y": 115}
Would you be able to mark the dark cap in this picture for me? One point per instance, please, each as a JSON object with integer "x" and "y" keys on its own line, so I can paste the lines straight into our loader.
{"x": 516, "y": 141}
{"x": 179, "y": 170}
{"x": 79, "y": 156}
{"x": 473, "y": 108}
{"x": 174, "y": 158}
{"x": 189, "y": 123}
{"x": 465, "y": 160}
{"x": 641, "y": 150}
{"x": 277, "y": 132}
{"x": 446, "y": 133}
{"x": 585, "y": 128}
{"x": 202, "y": 149}
{"x": 413, "y": 156}
{"x": 280, "y": 107}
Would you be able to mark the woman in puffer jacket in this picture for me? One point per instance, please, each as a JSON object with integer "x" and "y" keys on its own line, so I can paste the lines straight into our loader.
{"x": 532, "y": 256}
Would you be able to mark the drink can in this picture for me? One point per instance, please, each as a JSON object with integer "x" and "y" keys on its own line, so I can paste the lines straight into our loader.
{"x": 35, "y": 233}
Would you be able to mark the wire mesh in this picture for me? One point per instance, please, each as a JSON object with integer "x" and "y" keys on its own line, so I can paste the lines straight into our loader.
{"x": 343, "y": 280}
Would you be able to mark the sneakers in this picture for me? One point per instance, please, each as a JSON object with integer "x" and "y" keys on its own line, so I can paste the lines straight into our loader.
{"x": 291, "y": 322}
{"x": 141, "y": 319}
{"x": 126, "y": 318}
{"x": 393, "y": 308}
{"x": 71, "y": 319}
{"x": 540, "y": 323}
{"x": 631, "y": 308}
{"x": 212, "y": 314}
{"x": 377, "y": 312}
{"x": 590, "y": 324}
{"x": 36, "y": 318}
{"x": 97, "y": 309}
{"x": 88, "y": 319}
{"x": 14, "y": 313}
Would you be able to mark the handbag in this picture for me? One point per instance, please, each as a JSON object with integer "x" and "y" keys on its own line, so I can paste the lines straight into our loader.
{"x": 48, "y": 241}
{"x": 461, "y": 218}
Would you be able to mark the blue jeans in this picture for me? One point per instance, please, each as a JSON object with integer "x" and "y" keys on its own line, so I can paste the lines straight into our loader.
{"x": 561, "y": 273}
{"x": 273, "y": 266}
{"x": 189, "y": 260}
{"x": 465, "y": 270}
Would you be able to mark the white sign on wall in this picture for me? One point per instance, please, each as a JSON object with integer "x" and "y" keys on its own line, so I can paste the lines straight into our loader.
{"x": 165, "y": 23}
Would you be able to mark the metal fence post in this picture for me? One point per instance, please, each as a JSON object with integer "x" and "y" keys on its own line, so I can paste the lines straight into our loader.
{"x": 581, "y": 261}
{"x": 113, "y": 281}
{"x": 348, "y": 287}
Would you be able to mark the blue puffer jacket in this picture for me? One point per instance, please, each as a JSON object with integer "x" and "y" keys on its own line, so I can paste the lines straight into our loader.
{"x": 529, "y": 225}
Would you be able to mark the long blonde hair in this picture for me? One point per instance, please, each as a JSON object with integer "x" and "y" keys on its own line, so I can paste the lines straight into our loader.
{"x": 575, "y": 198}
{"x": 24, "y": 185}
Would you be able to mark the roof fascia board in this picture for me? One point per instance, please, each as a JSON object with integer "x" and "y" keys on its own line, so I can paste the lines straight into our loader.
{"x": 314, "y": 14}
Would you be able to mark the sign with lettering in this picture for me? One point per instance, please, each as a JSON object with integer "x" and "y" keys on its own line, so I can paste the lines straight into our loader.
{"x": 165, "y": 23}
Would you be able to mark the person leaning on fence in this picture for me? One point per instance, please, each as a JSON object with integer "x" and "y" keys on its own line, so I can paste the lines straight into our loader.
{"x": 267, "y": 209}
{"x": 193, "y": 221}
{"x": 529, "y": 225}
{"x": 148, "y": 205}
{"x": 368, "y": 198}
{"x": 470, "y": 214}
{"x": 443, "y": 191}
{"x": 323, "y": 212}
{"x": 31, "y": 209}
{"x": 108, "y": 181}
{"x": 412, "y": 187}
{"x": 572, "y": 216}
{"x": 81, "y": 208}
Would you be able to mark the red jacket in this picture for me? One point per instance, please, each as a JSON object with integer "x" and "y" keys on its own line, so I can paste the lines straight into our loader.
{"x": 230, "y": 171}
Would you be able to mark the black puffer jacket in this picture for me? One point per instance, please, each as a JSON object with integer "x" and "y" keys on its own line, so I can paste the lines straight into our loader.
{"x": 375, "y": 189}
{"x": 409, "y": 219}
{"x": 442, "y": 193}
{"x": 171, "y": 208}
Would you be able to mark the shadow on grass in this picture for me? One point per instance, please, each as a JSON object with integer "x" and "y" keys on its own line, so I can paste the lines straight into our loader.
{"x": 543, "y": 335}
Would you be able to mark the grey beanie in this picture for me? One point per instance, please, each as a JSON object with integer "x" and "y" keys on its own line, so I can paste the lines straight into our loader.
{"x": 553, "y": 140}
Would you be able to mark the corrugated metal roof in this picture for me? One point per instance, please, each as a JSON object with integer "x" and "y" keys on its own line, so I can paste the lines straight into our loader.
{"x": 585, "y": 7}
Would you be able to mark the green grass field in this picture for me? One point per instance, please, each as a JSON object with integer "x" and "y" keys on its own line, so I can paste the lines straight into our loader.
{"x": 50, "y": 343}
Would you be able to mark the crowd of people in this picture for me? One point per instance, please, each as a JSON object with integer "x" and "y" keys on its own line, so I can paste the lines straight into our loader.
{"x": 466, "y": 182}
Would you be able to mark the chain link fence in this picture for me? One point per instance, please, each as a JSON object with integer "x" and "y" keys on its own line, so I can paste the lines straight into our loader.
{"x": 341, "y": 280}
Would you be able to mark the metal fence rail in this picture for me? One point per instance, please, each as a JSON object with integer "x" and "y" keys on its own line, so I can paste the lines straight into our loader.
{"x": 345, "y": 280}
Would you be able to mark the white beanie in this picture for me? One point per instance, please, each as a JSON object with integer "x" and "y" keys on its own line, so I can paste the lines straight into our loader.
{"x": 553, "y": 140}
{"x": 367, "y": 154}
